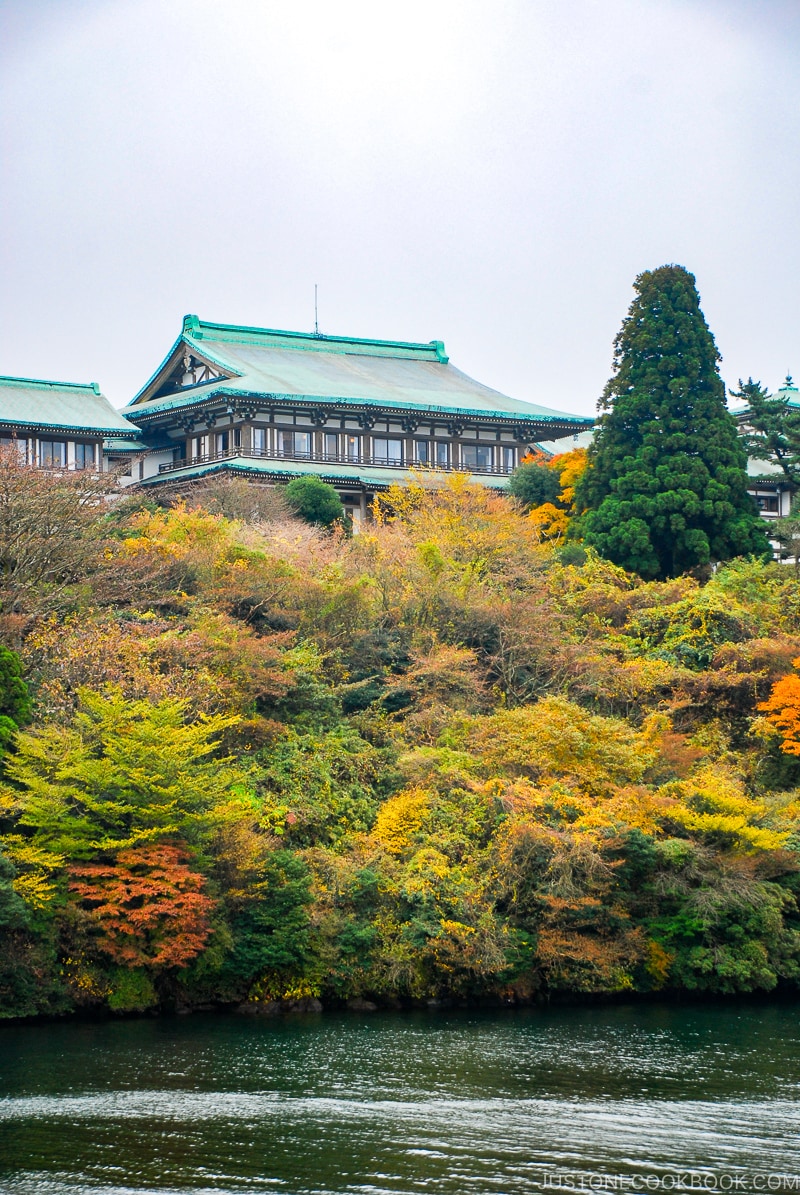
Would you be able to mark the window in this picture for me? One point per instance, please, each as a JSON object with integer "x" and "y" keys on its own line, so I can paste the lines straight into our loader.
{"x": 507, "y": 459}
{"x": 330, "y": 442}
{"x": 767, "y": 503}
{"x": 52, "y": 454}
{"x": 387, "y": 452}
{"x": 200, "y": 446}
{"x": 122, "y": 464}
{"x": 11, "y": 443}
{"x": 422, "y": 452}
{"x": 21, "y": 447}
{"x": 225, "y": 441}
{"x": 477, "y": 456}
{"x": 352, "y": 448}
{"x": 442, "y": 454}
{"x": 84, "y": 456}
{"x": 296, "y": 444}
{"x": 259, "y": 441}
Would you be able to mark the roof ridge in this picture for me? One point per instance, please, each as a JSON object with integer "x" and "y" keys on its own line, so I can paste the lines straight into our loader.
{"x": 193, "y": 326}
{"x": 93, "y": 386}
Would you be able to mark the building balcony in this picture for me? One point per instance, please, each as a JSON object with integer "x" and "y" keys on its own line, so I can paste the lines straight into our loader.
{"x": 328, "y": 458}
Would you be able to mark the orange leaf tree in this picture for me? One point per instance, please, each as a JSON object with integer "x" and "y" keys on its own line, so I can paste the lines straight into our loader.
{"x": 149, "y": 906}
{"x": 782, "y": 708}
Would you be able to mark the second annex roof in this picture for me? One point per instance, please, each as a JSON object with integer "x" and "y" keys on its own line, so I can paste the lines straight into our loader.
{"x": 65, "y": 406}
{"x": 210, "y": 359}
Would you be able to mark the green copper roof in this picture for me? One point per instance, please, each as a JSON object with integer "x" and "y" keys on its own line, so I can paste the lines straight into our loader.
{"x": 566, "y": 443}
{"x": 336, "y": 475}
{"x": 334, "y": 369}
{"x": 789, "y": 392}
{"x": 112, "y": 444}
{"x": 62, "y": 406}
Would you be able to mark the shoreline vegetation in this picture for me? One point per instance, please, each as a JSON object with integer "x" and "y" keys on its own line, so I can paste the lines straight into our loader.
{"x": 488, "y": 1004}
{"x": 254, "y": 762}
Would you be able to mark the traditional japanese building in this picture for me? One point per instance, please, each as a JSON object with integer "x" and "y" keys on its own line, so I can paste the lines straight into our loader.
{"x": 767, "y": 482}
{"x": 272, "y": 405}
{"x": 66, "y": 425}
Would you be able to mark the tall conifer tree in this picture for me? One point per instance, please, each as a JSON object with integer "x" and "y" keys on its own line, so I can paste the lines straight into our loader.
{"x": 666, "y": 487}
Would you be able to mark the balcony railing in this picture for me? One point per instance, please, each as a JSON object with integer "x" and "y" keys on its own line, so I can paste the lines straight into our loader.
{"x": 327, "y": 458}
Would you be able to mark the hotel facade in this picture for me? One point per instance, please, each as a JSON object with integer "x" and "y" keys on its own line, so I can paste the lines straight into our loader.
{"x": 271, "y": 405}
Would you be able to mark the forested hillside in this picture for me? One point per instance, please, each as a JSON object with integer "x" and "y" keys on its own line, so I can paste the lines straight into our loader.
{"x": 260, "y": 762}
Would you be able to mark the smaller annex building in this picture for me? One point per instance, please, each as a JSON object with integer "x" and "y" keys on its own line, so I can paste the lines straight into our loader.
{"x": 767, "y": 483}
{"x": 272, "y": 405}
{"x": 66, "y": 425}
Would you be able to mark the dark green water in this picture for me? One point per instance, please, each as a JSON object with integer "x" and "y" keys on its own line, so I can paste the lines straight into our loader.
{"x": 450, "y": 1103}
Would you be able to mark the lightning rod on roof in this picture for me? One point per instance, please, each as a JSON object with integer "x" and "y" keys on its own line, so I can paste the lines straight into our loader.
{"x": 316, "y": 320}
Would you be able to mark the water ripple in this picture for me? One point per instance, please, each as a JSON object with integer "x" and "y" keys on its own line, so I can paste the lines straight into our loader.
{"x": 458, "y": 1106}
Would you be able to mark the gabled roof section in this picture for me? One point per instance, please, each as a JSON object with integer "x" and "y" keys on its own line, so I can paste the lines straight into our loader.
{"x": 60, "y": 406}
{"x": 343, "y": 370}
{"x": 186, "y": 369}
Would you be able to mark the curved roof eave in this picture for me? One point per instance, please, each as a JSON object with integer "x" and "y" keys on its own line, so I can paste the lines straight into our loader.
{"x": 359, "y": 474}
{"x": 182, "y": 401}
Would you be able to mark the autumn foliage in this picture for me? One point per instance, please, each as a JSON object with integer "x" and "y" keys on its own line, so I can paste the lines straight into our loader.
{"x": 454, "y": 756}
{"x": 148, "y": 905}
{"x": 783, "y": 710}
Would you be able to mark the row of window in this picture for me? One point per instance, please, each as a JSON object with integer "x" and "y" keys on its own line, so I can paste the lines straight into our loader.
{"x": 215, "y": 443}
{"x": 389, "y": 450}
{"x": 384, "y": 450}
{"x": 51, "y": 454}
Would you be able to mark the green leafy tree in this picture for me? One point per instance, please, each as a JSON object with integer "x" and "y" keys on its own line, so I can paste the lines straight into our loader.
{"x": 320, "y": 786}
{"x": 123, "y": 774}
{"x": 787, "y": 535}
{"x": 314, "y": 500}
{"x": 772, "y": 428}
{"x": 15, "y": 702}
{"x": 13, "y": 914}
{"x": 271, "y": 929}
{"x": 20, "y": 987}
{"x": 666, "y": 487}
{"x": 534, "y": 484}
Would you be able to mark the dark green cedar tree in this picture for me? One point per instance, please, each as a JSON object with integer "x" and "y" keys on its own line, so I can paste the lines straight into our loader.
{"x": 665, "y": 490}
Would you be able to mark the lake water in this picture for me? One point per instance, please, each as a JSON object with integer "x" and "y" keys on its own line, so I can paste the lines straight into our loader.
{"x": 449, "y": 1103}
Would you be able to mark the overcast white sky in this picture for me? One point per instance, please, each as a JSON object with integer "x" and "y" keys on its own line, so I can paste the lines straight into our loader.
{"x": 492, "y": 173}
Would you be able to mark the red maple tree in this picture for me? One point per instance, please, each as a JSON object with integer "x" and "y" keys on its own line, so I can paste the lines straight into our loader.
{"x": 149, "y": 905}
